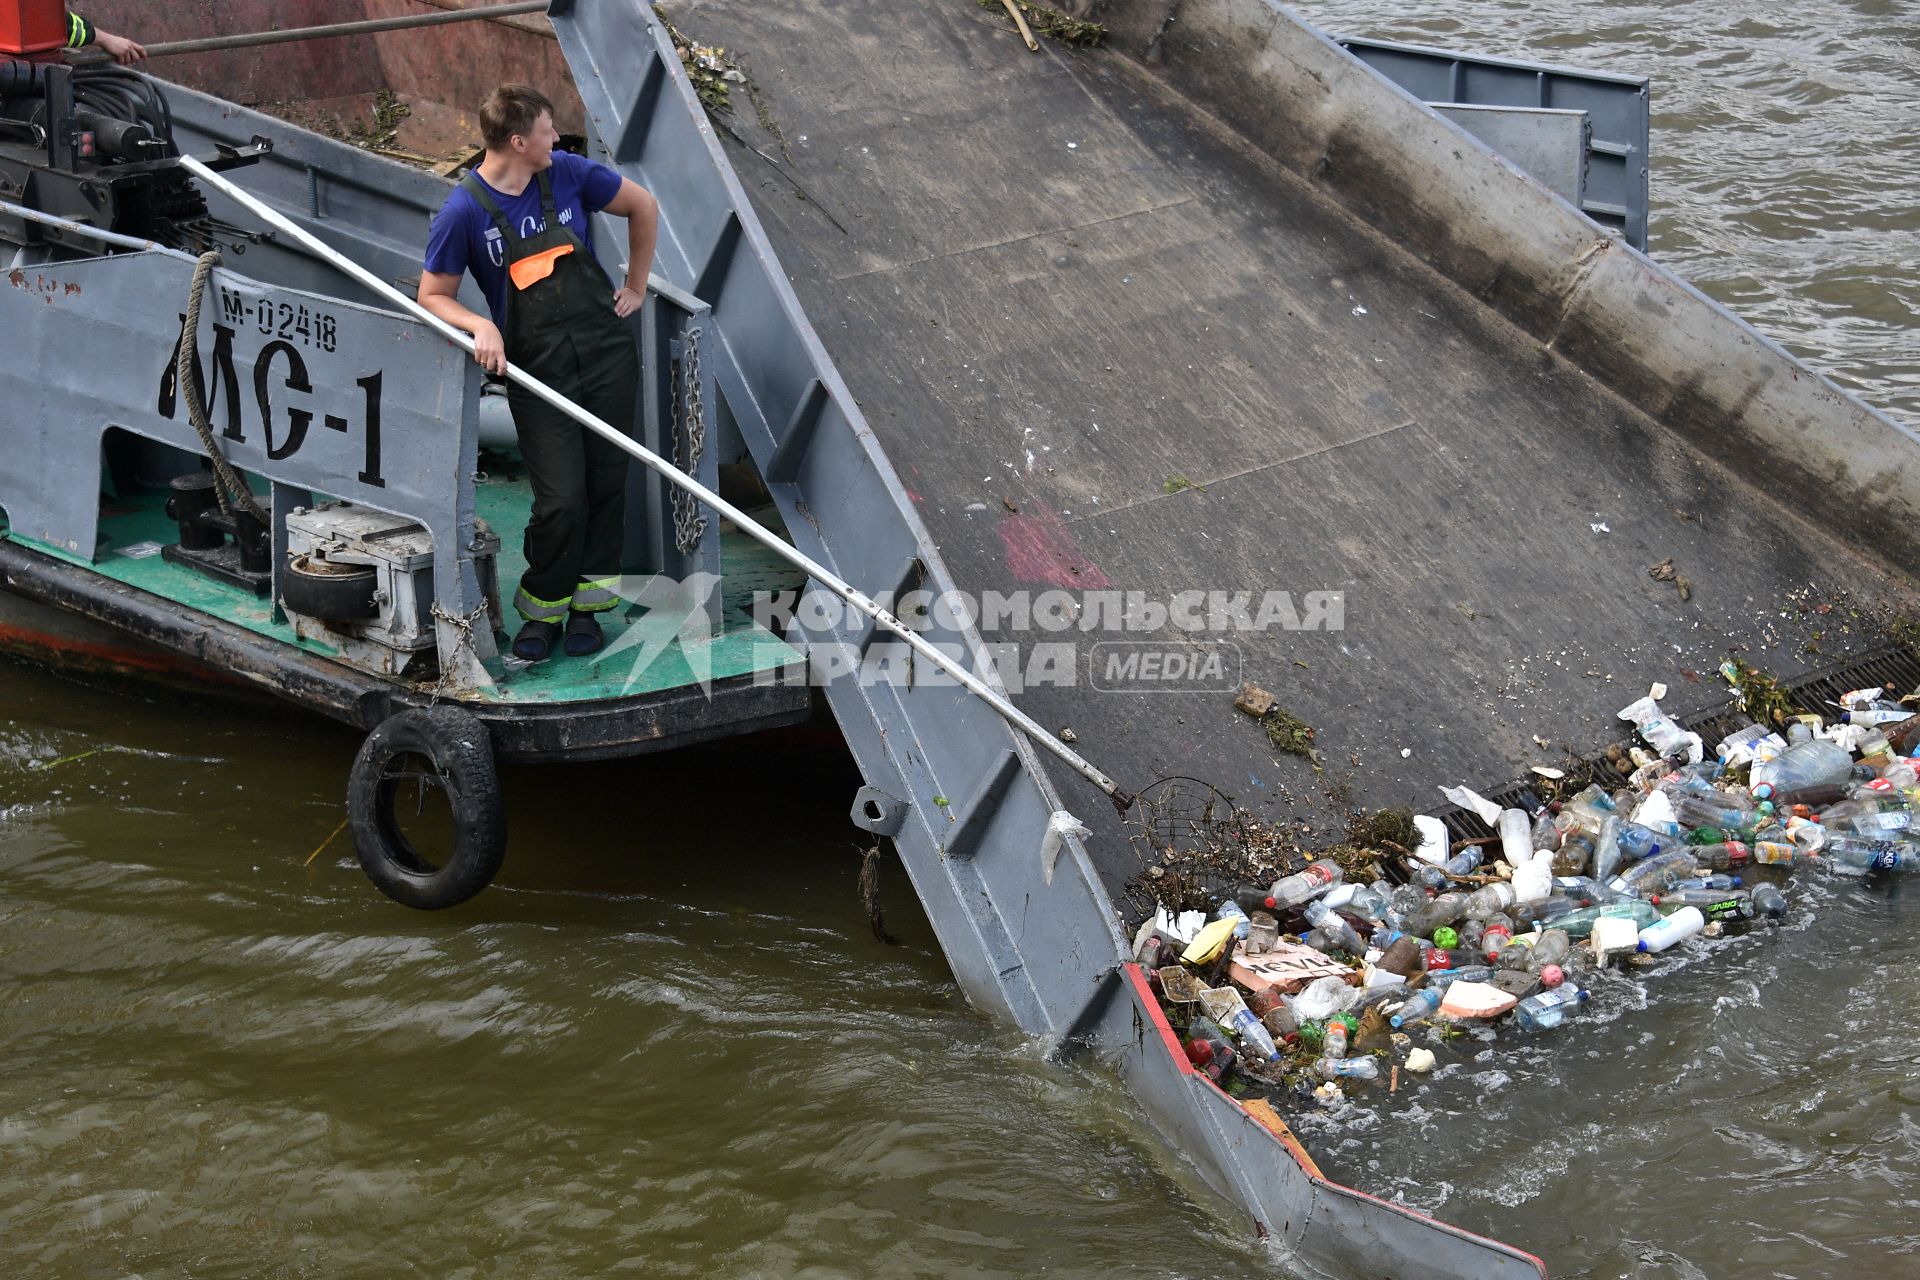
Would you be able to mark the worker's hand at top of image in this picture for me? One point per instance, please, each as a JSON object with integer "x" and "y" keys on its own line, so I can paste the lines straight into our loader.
{"x": 123, "y": 50}
{"x": 627, "y": 300}
{"x": 488, "y": 348}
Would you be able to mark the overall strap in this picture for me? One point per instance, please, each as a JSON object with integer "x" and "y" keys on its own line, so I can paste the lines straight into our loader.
{"x": 546, "y": 200}
{"x": 477, "y": 189}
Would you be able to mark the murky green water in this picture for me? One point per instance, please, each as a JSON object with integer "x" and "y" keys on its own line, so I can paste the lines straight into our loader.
{"x": 667, "y": 1044}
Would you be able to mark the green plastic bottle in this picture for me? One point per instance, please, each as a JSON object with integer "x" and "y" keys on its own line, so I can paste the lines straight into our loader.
{"x": 1579, "y": 924}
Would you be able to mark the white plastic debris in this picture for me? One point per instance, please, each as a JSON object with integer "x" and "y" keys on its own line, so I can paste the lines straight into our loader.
{"x": 1180, "y": 928}
{"x": 1656, "y": 811}
{"x": 1661, "y": 733}
{"x": 1322, "y": 998}
{"x": 1420, "y": 1061}
{"x": 1433, "y": 839}
{"x": 1061, "y": 825}
{"x": 1599, "y": 526}
{"x": 1467, "y": 798}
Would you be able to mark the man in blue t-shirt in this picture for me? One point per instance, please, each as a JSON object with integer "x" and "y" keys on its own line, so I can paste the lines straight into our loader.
{"x": 520, "y": 223}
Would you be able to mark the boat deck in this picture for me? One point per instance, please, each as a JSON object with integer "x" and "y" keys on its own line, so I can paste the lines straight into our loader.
{"x": 642, "y": 655}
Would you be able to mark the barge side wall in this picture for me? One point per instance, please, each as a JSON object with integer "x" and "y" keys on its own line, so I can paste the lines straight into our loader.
{"x": 1634, "y": 326}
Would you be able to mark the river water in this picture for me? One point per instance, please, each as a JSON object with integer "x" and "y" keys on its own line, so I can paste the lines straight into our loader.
{"x": 665, "y": 1042}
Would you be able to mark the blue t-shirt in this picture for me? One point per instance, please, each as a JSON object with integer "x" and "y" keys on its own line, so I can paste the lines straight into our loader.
{"x": 463, "y": 236}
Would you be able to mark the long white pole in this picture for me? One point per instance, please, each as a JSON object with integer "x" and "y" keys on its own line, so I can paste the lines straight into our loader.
{"x": 1013, "y": 715}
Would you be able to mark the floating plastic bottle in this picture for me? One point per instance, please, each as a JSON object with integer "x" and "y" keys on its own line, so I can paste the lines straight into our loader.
{"x": 1361, "y": 1068}
{"x": 1858, "y": 855}
{"x": 1445, "y": 909}
{"x": 1768, "y": 901}
{"x": 1417, "y": 1006}
{"x": 1459, "y": 864}
{"x": 1584, "y": 812}
{"x": 1606, "y": 848}
{"x": 1226, "y": 1007}
{"x": 1484, "y": 901}
{"x": 1716, "y": 811}
{"x": 1516, "y": 836}
{"x": 1718, "y": 880}
{"x": 1329, "y": 922}
{"x": 1678, "y": 927}
{"x": 1552, "y": 947}
{"x": 1575, "y": 855}
{"x": 1638, "y": 842}
{"x": 1579, "y": 924}
{"x": 1714, "y": 904}
{"x": 1811, "y": 763}
{"x": 1291, "y": 891}
{"x": 1655, "y": 873}
{"x": 1445, "y": 978}
{"x": 1545, "y": 1010}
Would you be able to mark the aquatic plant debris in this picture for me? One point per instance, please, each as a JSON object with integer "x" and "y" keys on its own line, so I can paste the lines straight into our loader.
{"x": 711, "y": 69}
{"x": 1760, "y": 697}
{"x": 1289, "y": 733}
{"x": 1054, "y": 24}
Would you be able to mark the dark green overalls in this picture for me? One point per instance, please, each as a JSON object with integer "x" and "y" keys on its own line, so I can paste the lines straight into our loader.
{"x": 562, "y": 329}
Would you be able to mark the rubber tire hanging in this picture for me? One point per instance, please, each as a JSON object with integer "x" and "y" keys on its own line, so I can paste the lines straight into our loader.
{"x": 460, "y": 750}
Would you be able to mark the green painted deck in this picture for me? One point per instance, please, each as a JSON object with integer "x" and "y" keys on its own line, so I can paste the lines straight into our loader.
{"x": 642, "y": 654}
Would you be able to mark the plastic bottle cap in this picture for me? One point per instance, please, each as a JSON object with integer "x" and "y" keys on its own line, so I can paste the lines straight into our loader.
{"x": 1640, "y": 945}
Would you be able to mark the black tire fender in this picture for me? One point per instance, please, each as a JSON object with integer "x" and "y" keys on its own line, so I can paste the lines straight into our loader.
{"x": 461, "y": 751}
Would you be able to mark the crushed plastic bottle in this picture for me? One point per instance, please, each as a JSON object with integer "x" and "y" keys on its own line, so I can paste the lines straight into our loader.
{"x": 1329, "y": 922}
{"x": 1484, "y": 901}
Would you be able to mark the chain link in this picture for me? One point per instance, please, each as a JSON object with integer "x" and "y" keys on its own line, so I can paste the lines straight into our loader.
{"x": 689, "y": 519}
{"x": 449, "y": 680}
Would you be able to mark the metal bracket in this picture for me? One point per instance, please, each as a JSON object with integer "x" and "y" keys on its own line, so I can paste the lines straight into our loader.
{"x": 876, "y": 811}
{"x": 229, "y": 156}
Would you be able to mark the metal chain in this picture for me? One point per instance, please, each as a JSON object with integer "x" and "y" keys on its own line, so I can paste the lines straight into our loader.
{"x": 689, "y": 520}
{"x": 449, "y": 681}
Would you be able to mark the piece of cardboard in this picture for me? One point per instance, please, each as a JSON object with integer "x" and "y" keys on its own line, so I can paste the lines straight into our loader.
{"x": 1287, "y": 967}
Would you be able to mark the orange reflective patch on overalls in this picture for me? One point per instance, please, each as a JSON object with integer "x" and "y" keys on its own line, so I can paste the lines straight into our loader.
{"x": 535, "y": 267}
